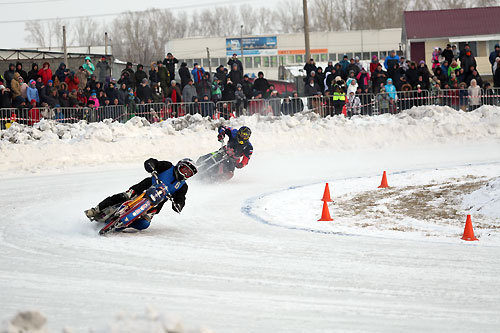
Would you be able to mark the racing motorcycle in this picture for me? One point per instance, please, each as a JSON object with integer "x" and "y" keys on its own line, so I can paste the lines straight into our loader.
{"x": 120, "y": 216}
{"x": 218, "y": 165}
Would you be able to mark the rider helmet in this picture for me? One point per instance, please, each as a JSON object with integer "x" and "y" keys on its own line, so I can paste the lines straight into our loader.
{"x": 243, "y": 134}
{"x": 184, "y": 169}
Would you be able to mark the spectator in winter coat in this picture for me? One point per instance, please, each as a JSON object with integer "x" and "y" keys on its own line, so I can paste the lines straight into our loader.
{"x": 32, "y": 92}
{"x": 374, "y": 63}
{"x": 363, "y": 79}
{"x": 164, "y": 75}
{"x": 173, "y": 92}
{"x": 236, "y": 75}
{"x": 496, "y": 74}
{"x": 352, "y": 86}
{"x": 204, "y": 86}
{"x": 184, "y": 74}
{"x": 447, "y": 54}
{"x": 261, "y": 85}
{"x": 445, "y": 66}
{"x": 493, "y": 55}
{"x": 309, "y": 67}
{"x": 122, "y": 94}
{"x": 8, "y": 75}
{"x": 312, "y": 88}
{"x": 140, "y": 75}
{"x": 189, "y": 91}
{"x": 468, "y": 60}
{"x": 15, "y": 85}
{"x": 19, "y": 69}
{"x": 228, "y": 93}
{"x": 81, "y": 75}
{"x": 424, "y": 72}
{"x": 88, "y": 66}
{"x": 344, "y": 63}
{"x": 379, "y": 77}
{"x": 153, "y": 74}
{"x": 320, "y": 79}
{"x": 52, "y": 99}
{"x": 474, "y": 95}
{"x": 144, "y": 91}
{"x": 353, "y": 67}
{"x": 93, "y": 97}
{"x": 247, "y": 87}
{"x": 33, "y": 73}
{"x": 474, "y": 75}
{"x": 72, "y": 81}
{"x": 390, "y": 60}
{"x": 329, "y": 68}
{"x": 197, "y": 72}
{"x": 220, "y": 74}
{"x": 103, "y": 69}
{"x": 62, "y": 72}
{"x": 443, "y": 78}
{"x": 235, "y": 60}
{"x": 454, "y": 66}
{"x": 390, "y": 89}
{"x": 216, "y": 90}
{"x": 435, "y": 59}
{"x": 412, "y": 75}
{"x": 111, "y": 91}
{"x": 45, "y": 73}
{"x": 169, "y": 63}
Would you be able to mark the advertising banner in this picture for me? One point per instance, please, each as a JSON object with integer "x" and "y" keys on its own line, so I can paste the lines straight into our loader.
{"x": 252, "y": 46}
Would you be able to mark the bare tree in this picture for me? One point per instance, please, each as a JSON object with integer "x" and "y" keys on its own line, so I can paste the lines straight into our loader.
{"x": 45, "y": 34}
{"x": 289, "y": 16}
{"x": 87, "y": 31}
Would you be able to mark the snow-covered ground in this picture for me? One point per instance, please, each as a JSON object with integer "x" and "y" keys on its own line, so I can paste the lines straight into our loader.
{"x": 249, "y": 255}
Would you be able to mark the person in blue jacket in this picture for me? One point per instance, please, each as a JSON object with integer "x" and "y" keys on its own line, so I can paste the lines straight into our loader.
{"x": 390, "y": 89}
{"x": 390, "y": 60}
{"x": 173, "y": 176}
{"x": 493, "y": 55}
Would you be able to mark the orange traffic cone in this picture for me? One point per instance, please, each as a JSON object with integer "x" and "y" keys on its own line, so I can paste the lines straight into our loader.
{"x": 384, "y": 184}
{"x": 325, "y": 215}
{"x": 468, "y": 231}
{"x": 326, "y": 194}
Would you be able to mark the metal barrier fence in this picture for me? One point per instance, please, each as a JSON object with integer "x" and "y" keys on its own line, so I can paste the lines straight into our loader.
{"x": 359, "y": 104}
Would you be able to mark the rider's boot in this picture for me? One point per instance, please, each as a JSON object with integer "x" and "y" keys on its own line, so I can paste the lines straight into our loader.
{"x": 92, "y": 213}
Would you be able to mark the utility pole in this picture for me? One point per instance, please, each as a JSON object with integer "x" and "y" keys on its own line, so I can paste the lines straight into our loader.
{"x": 209, "y": 62}
{"x": 106, "y": 44}
{"x": 65, "y": 47}
{"x": 241, "y": 43}
{"x": 306, "y": 30}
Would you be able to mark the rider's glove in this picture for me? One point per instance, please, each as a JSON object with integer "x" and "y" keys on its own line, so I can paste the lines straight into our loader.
{"x": 239, "y": 165}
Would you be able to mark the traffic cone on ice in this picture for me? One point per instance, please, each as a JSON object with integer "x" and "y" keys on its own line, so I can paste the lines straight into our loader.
{"x": 326, "y": 194}
{"x": 384, "y": 184}
{"x": 325, "y": 214}
{"x": 468, "y": 231}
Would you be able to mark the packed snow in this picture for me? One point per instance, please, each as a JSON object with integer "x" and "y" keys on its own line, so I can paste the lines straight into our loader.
{"x": 485, "y": 201}
{"x": 249, "y": 255}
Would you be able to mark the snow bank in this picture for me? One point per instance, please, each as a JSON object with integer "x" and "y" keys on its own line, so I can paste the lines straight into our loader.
{"x": 27, "y": 321}
{"x": 51, "y": 145}
{"x": 485, "y": 201}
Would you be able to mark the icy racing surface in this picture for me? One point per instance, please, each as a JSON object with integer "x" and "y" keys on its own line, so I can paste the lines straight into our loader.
{"x": 249, "y": 255}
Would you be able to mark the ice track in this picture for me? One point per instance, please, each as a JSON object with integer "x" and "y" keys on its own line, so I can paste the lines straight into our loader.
{"x": 215, "y": 266}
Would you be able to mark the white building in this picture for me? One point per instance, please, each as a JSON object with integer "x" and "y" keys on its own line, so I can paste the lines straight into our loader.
{"x": 268, "y": 53}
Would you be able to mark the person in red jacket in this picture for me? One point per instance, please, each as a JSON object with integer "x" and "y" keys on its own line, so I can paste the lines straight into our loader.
{"x": 45, "y": 73}
{"x": 72, "y": 81}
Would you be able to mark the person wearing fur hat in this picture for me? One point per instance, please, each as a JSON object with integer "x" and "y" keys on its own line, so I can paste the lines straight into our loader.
{"x": 32, "y": 92}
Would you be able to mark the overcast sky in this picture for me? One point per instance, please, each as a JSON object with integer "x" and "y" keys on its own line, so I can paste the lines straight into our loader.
{"x": 12, "y": 34}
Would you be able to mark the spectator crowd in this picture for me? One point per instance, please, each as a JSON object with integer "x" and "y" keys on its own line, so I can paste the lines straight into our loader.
{"x": 91, "y": 85}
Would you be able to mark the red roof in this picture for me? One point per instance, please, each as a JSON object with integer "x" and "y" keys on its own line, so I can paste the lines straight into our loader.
{"x": 452, "y": 22}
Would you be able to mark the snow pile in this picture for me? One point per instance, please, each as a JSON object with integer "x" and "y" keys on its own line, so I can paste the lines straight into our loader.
{"x": 485, "y": 201}
{"x": 50, "y": 145}
{"x": 27, "y": 321}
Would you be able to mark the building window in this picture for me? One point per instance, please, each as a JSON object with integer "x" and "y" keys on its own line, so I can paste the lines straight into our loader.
{"x": 282, "y": 60}
{"x": 257, "y": 62}
{"x": 189, "y": 63}
{"x": 299, "y": 58}
{"x": 266, "y": 62}
{"x": 290, "y": 59}
{"x": 248, "y": 62}
{"x": 383, "y": 54}
{"x": 323, "y": 57}
{"x": 315, "y": 57}
{"x": 349, "y": 55}
{"x": 206, "y": 64}
{"x": 358, "y": 54}
{"x": 366, "y": 56}
{"x": 274, "y": 61}
{"x": 332, "y": 57}
{"x": 223, "y": 61}
{"x": 198, "y": 61}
